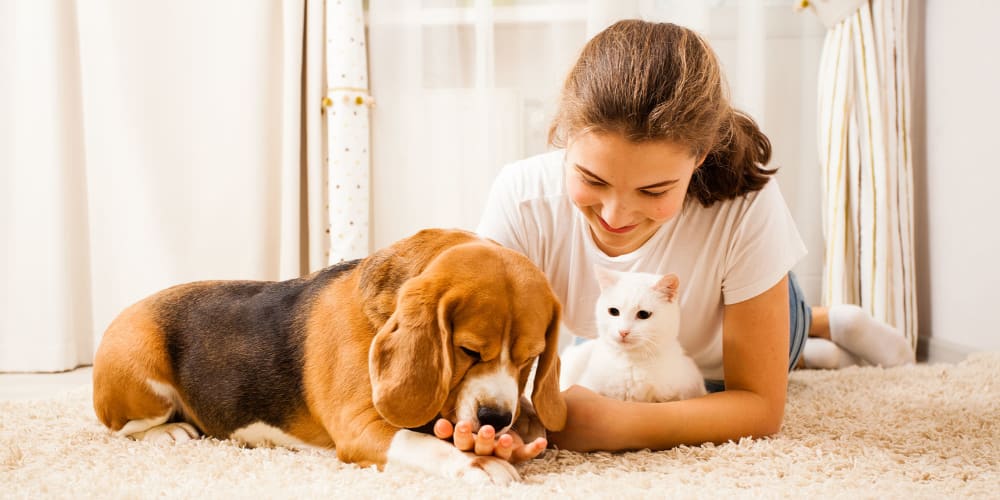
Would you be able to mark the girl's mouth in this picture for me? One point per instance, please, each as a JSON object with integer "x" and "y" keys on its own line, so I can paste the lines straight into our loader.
{"x": 620, "y": 230}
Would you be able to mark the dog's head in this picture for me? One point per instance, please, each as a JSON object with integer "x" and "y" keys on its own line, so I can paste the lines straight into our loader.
{"x": 463, "y": 337}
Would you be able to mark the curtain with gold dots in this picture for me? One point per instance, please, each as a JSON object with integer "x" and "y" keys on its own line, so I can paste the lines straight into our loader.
{"x": 346, "y": 108}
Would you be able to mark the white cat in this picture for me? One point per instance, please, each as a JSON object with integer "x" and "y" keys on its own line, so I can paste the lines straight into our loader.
{"x": 636, "y": 356}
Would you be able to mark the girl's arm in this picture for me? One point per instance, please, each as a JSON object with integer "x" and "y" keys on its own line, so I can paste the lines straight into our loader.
{"x": 755, "y": 356}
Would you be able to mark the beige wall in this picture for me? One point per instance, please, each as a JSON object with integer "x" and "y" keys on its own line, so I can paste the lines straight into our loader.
{"x": 956, "y": 122}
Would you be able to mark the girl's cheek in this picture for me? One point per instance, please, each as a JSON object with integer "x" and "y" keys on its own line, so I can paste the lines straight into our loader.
{"x": 581, "y": 194}
{"x": 666, "y": 209}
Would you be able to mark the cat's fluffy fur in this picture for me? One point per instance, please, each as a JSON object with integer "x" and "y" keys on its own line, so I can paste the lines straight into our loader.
{"x": 636, "y": 356}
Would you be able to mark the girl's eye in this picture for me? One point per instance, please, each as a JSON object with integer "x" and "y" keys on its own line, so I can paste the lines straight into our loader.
{"x": 654, "y": 194}
{"x": 643, "y": 314}
{"x": 470, "y": 353}
{"x": 591, "y": 182}
{"x": 613, "y": 311}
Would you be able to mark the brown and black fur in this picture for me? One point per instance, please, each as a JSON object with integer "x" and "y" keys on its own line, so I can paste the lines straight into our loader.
{"x": 291, "y": 354}
{"x": 215, "y": 331}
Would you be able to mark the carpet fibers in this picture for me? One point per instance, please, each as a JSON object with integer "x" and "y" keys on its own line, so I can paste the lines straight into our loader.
{"x": 925, "y": 431}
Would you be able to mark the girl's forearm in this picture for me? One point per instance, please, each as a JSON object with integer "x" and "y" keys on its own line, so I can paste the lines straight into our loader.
{"x": 717, "y": 418}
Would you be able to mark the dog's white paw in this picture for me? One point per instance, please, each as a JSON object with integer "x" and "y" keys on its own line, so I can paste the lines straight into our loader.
{"x": 483, "y": 469}
{"x": 442, "y": 458}
{"x": 177, "y": 432}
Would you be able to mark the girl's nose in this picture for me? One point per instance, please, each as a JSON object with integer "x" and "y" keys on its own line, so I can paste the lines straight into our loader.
{"x": 615, "y": 214}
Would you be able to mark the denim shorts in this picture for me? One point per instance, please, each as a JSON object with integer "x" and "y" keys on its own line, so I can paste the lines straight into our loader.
{"x": 799, "y": 320}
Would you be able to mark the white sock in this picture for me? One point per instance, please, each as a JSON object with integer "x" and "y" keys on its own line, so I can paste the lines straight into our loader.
{"x": 871, "y": 340}
{"x": 823, "y": 354}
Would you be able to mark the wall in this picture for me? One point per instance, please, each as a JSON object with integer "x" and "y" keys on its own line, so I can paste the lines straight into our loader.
{"x": 438, "y": 139}
{"x": 785, "y": 81}
{"x": 956, "y": 76}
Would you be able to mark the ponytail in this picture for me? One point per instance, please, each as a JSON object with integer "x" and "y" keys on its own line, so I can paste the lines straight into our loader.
{"x": 735, "y": 166}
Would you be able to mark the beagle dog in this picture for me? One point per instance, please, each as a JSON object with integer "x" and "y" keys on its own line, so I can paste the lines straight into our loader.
{"x": 355, "y": 357}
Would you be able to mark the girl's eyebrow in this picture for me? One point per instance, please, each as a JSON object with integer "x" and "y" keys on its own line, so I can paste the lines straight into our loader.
{"x": 651, "y": 186}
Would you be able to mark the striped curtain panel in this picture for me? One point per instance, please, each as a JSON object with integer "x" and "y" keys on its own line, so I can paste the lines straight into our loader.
{"x": 864, "y": 121}
{"x": 346, "y": 108}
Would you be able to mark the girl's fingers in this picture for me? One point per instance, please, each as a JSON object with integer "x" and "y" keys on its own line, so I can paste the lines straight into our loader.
{"x": 504, "y": 447}
{"x": 529, "y": 451}
{"x": 484, "y": 440}
{"x": 464, "y": 439}
{"x": 443, "y": 429}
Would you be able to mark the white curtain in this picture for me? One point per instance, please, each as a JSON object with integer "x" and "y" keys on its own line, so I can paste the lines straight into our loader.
{"x": 147, "y": 144}
{"x": 463, "y": 87}
{"x": 864, "y": 106}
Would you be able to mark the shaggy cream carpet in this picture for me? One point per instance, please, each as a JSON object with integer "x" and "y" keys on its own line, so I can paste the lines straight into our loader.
{"x": 925, "y": 431}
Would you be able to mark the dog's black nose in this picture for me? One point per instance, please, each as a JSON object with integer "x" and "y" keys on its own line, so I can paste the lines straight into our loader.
{"x": 491, "y": 416}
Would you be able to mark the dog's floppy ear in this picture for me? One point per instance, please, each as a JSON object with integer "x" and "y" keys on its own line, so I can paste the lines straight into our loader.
{"x": 548, "y": 401}
{"x": 410, "y": 358}
{"x": 384, "y": 272}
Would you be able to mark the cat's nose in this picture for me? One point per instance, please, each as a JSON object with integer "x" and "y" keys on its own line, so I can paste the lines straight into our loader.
{"x": 623, "y": 333}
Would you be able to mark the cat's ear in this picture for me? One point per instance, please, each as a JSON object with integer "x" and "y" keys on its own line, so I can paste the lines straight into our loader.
{"x": 605, "y": 277}
{"x": 667, "y": 287}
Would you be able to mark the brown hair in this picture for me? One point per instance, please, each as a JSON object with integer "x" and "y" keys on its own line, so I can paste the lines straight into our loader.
{"x": 659, "y": 81}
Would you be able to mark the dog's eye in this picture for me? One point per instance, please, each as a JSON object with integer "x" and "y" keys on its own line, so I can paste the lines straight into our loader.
{"x": 470, "y": 353}
{"x": 643, "y": 314}
{"x": 613, "y": 311}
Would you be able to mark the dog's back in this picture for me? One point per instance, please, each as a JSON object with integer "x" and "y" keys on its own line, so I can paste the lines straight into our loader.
{"x": 243, "y": 339}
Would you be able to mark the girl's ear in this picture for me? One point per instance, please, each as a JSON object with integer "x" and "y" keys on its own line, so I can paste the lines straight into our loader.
{"x": 701, "y": 161}
{"x": 667, "y": 287}
{"x": 605, "y": 277}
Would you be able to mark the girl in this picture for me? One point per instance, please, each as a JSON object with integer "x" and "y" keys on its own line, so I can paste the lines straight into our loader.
{"x": 658, "y": 173}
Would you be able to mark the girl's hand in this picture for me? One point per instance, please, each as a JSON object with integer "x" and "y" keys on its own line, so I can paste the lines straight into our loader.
{"x": 507, "y": 446}
{"x": 592, "y": 422}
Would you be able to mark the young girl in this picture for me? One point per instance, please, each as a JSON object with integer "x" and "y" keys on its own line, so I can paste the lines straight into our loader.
{"x": 658, "y": 173}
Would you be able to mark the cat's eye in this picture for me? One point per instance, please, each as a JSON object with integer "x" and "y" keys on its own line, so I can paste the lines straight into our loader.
{"x": 470, "y": 353}
{"x": 613, "y": 311}
{"x": 643, "y": 314}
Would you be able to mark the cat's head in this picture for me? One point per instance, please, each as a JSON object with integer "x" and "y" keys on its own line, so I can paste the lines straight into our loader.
{"x": 637, "y": 310}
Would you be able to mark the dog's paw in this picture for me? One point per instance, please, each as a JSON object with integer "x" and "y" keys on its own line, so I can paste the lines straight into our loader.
{"x": 178, "y": 432}
{"x": 484, "y": 469}
{"x": 528, "y": 426}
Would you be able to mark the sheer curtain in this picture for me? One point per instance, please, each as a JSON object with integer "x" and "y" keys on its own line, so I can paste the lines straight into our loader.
{"x": 864, "y": 127}
{"x": 154, "y": 143}
{"x": 461, "y": 88}
{"x": 465, "y": 86}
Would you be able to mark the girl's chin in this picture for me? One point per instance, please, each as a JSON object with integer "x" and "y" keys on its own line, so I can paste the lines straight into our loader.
{"x": 617, "y": 246}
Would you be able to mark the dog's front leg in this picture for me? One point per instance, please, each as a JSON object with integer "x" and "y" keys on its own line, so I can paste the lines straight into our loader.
{"x": 423, "y": 451}
{"x": 528, "y": 426}
{"x": 369, "y": 440}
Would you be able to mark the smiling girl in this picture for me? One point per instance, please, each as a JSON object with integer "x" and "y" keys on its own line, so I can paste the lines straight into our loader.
{"x": 658, "y": 173}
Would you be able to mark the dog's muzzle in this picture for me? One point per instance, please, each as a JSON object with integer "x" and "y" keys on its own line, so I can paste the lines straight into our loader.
{"x": 498, "y": 419}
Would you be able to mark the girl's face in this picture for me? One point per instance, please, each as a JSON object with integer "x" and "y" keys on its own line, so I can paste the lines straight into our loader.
{"x": 626, "y": 190}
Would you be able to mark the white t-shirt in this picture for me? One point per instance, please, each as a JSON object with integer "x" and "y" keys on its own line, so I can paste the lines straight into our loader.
{"x": 723, "y": 254}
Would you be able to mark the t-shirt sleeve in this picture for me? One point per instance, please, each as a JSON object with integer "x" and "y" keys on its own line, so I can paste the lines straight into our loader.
{"x": 764, "y": 246}
{"x": 502, "y": 220}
